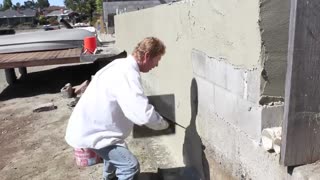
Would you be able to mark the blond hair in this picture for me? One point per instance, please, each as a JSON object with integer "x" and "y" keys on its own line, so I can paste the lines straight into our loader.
{"x": 151, "y": 45}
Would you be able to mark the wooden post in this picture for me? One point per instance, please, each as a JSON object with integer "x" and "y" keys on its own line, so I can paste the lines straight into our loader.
{"x": 23, "y": 71}
{"x": 301, "y": 126}
{"x": 10, "y": 75}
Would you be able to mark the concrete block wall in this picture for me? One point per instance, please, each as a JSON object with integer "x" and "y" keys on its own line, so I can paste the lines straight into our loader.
{"x": 226, "y": 87}
{"x": 233, "y": 93}
{"x": 219, "y": 44}
{"x": 229, "y": 122}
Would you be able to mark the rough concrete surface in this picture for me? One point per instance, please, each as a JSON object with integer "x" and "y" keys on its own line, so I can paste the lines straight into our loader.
{"x": 229, "y": 148}
{"x": 272, "y": 116}
{"x": 32, "y": 144}
{"x": 274, "y": 24}
{"x": 307, "y": 172}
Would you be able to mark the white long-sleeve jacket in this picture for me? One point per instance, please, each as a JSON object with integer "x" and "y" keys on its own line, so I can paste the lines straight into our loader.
{"x": 111, "y": 104}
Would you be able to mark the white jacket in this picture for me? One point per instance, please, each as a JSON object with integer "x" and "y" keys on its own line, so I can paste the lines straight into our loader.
{"x": 111, "y": 104}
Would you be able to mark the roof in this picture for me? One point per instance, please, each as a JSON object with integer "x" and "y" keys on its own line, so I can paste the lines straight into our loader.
{"x": 10, "y": 13}
{"x": 127, "y": 6}
{"x": 59, "y": 13}
{"x": 53, "y": 8}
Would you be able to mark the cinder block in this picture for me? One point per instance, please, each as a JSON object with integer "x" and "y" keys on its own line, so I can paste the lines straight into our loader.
{"x": 249, "y": 118}
{"x": 242, "y": 82}
{"x": 241, "y": 113}
{"x": 272, "y": 116}
{"x": 221, "y": 142}
{"x": 253, "y": 85}
{"x": 235, "y": 80}
{"x": 198, "y": 59}
{"x": 216, "y": 72}
{"x": 219, "y": 72}
{"x": 225, "y": 104}
{"x": 239, "y": 154}
{"x": 205, "y": 96}
{"x": 220, "y": 134}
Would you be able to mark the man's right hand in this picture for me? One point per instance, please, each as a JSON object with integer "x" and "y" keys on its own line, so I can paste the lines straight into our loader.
{"x": 162, "y": 124}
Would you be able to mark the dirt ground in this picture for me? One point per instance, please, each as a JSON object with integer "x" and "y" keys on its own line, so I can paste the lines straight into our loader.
{"x": 32, "y": 144}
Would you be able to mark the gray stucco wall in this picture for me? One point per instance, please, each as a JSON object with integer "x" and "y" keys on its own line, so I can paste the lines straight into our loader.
{"x": 217, "y": 44}
{"x": 274, "y": 15}
{"x": 183, "y": 26}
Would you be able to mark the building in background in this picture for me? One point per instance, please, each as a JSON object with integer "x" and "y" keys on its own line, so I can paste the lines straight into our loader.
{"x": 11, "y": 17}
{"x": 62, "y": 13}
{"x": 49, "y": 9}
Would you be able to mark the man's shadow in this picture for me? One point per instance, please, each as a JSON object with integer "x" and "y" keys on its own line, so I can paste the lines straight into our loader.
{"x": 196, "y": 164}
{"x": 193, "y": 149}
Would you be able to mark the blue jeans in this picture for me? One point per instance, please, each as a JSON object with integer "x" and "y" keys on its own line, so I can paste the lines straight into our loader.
{"x": 118, "y": 160}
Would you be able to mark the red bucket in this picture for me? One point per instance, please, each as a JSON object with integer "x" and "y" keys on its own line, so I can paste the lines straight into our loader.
{"x": 90, "y": 44}
{"x": 86, "y": 157}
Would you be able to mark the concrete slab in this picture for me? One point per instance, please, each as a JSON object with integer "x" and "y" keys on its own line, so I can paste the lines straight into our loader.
{"x": 272, "y": 116}
{"x": 307, "y": 172}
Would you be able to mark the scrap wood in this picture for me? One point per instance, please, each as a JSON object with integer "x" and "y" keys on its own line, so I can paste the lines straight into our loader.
{"x": 67, "y": 90}
{"x": 79, "y": 89}
{"x": 271, "y": 139}
{"x": 45, "y": 107}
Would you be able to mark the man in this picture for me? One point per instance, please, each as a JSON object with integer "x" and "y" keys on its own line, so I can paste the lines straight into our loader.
{"x": 111, "y": 104}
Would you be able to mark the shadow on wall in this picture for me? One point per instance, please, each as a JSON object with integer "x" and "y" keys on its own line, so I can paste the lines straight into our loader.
{"x": 196, "y": 164}
{"x": 193, "y": 149}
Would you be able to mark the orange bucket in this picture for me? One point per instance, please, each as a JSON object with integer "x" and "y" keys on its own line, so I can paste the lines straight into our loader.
{"x": 90, "y": 44}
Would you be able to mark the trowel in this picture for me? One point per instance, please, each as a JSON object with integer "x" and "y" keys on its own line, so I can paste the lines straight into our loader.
{"x": 171, "y": 121}
{"x": 165, "y": 106}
